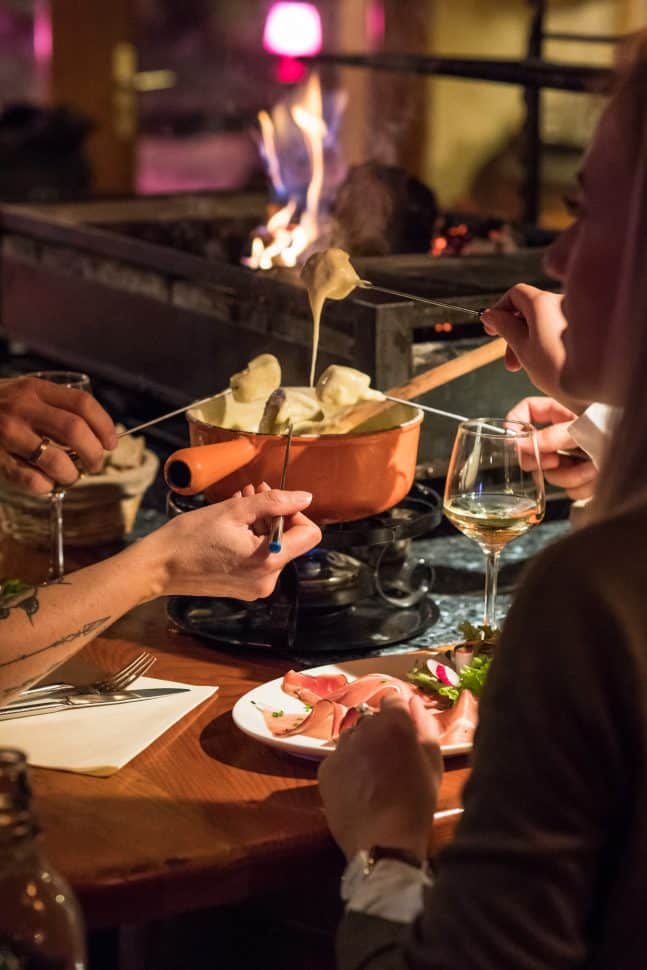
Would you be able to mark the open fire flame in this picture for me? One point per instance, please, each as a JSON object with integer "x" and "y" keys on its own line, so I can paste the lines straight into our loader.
{"x": 295, "y": 226}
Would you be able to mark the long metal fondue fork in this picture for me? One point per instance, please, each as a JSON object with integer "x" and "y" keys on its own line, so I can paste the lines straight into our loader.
{"x": 204, "y": 400}
{"x": 165, "y": 417}
{"x": 367, "y": 285}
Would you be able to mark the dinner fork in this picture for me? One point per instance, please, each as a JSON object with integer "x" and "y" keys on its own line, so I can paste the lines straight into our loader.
{"x": 117, "y": 681}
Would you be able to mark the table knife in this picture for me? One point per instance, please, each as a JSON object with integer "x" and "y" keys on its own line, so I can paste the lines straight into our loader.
{"x": 23, "y": 708}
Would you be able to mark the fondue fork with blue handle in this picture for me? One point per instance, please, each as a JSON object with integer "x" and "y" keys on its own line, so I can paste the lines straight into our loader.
{"x": 276, "y": 532}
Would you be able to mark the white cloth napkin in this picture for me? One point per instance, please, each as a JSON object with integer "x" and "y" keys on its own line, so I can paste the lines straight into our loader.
{"x": 100, "y": 740}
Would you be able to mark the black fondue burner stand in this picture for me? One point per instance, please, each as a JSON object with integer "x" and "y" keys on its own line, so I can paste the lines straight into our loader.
{"x": 361, "y": 590}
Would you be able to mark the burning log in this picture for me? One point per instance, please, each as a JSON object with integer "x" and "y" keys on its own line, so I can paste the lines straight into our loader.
{"x": 381, "y": 209}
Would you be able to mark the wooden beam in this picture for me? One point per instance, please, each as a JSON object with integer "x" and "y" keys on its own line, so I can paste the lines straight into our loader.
{"x": 93, "y": 68}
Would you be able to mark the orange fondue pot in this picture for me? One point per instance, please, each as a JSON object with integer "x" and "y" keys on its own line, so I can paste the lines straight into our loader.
{"x": 350, "y": 476}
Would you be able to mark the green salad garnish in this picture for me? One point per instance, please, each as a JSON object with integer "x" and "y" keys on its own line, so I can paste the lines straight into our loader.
{"x": 482, "y": 641}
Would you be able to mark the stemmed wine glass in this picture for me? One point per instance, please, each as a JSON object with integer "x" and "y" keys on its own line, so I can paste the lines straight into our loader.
{"x": 494, "y": 490}
{"x": 80, "y": 382}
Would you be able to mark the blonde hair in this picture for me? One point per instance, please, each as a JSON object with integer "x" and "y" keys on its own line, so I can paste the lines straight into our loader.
{"x": 623, "y": 476}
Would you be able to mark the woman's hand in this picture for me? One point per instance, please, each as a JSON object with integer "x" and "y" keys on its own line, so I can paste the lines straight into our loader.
{"x": 531, "y": 322}
{"x": 576, "y": 476}
{"x": 33, "y": 409}
{"x": 222, "y": 550}
{"x": 380, "y": 786}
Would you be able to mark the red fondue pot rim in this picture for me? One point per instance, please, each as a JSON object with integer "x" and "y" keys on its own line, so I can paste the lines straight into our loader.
{"x": 362, "y": 436}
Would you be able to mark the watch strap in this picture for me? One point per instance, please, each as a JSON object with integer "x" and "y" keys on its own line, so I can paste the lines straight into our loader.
{"x": 378, "y": 852}
{"x": 368, "y": 886}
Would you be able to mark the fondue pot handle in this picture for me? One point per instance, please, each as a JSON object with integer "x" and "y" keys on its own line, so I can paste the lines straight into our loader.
{"x": 191, "y": 470}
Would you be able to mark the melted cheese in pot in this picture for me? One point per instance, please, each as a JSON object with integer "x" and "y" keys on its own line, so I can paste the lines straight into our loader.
{"x": 309, "y": 409}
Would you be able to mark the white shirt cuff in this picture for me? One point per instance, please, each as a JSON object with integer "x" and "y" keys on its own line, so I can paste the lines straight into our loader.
{"x": 393, "y": 890}
{"x": 593, "y": 429}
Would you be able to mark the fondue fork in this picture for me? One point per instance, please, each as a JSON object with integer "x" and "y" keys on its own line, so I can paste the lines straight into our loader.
{"x": 576, "y": 454}
{"x": 276, "y": 532}
{"x": 165, "y": 417}
{"x": 147, "y": 424}
{"x": 427, "y": 407}
{"x": 443, "y": 414}
{"x": 367, "y": 285}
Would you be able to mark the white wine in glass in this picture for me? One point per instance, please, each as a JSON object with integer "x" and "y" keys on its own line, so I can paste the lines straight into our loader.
{"x": 80, "y": 382}
{"x": 494, "y": 490}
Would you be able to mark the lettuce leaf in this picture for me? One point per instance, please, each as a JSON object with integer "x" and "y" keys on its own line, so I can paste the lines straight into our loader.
{"x": 473, "y": 676}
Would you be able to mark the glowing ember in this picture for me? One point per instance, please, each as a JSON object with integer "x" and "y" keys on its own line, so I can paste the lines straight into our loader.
{"x": 286, "y": 237}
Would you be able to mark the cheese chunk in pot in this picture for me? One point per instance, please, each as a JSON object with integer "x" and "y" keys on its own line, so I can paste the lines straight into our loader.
{"x": 261, "y": 376}
{"x": 340, "y": 387}
{"x": 302, "y": 409}
{"x": 270, "y": 409}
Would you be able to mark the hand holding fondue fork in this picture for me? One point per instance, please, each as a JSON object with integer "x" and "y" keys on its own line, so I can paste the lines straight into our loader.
{"x": 37, "y": 412}
{"x": 50, "y": 427}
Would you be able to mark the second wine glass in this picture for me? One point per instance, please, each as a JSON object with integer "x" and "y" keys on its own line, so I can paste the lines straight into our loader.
{"x": 494, "y": 490}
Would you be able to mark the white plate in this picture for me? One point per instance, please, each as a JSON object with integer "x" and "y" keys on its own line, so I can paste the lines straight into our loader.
{"x": 249, "y": 718}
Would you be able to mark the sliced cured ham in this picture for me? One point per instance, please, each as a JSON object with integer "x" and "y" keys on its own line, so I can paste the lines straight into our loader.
{"x": 322, "y": 722}
{"x": 458, "y": 724}
{"x": 370, "y": 690}
{"x": 283, "y": 725}
{"x": 334, "y": 705}
{"x": 349, "y": 720}
{"x": 322, "y": 685}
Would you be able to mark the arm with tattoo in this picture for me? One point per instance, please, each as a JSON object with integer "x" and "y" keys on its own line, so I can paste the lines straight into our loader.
{"x": 42, "y": 626}
{"x": 220, "y": 550}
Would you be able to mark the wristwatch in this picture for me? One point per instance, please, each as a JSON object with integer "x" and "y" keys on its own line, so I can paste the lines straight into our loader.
{"x": 362, "y": 865}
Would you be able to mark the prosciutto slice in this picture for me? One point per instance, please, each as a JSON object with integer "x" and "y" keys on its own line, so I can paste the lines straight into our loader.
{"x": 458, "y": 724}
{"x": 322, "y": 722}
{"x": 370, "y": 690}
{"x": 283, "y": 725}
{"x": 309, "y": 688}
{"x": 333, "y": 704}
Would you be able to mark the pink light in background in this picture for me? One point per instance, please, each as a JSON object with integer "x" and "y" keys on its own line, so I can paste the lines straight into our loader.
{"x": 289, "y": 70}
{"x": 293, "y": 30}
{"x": 42, "y": 33}
{"x": 375, "y": 24}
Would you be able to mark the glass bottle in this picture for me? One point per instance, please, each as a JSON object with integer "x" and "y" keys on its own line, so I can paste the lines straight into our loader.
{"x": 41, "y": 927}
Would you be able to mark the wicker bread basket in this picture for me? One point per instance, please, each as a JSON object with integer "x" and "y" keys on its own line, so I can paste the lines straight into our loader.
{"x": 96, "y": 509}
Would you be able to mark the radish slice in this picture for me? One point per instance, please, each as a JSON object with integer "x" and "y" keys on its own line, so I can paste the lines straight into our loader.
{"x": 446, "y": 675}
{"x": 463, "y": 656}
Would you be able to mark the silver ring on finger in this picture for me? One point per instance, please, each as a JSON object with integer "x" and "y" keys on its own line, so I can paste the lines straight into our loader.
{"x": 38, "y": 452}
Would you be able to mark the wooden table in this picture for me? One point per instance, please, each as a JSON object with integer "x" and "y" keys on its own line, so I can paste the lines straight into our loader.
{"x": 205, "y": 816}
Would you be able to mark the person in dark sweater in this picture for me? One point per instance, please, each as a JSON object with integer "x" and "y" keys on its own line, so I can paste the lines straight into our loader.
{"x": 548, "y": 869}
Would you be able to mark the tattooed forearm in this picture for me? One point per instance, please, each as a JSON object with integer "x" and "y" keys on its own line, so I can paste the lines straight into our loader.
{"x": 84, "y": 631}
{"x": 16, "y": 595}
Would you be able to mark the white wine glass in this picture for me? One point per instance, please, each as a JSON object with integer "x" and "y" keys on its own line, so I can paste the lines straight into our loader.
{"x": 494, "y": 490}
{"x": 80, "y": 382}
